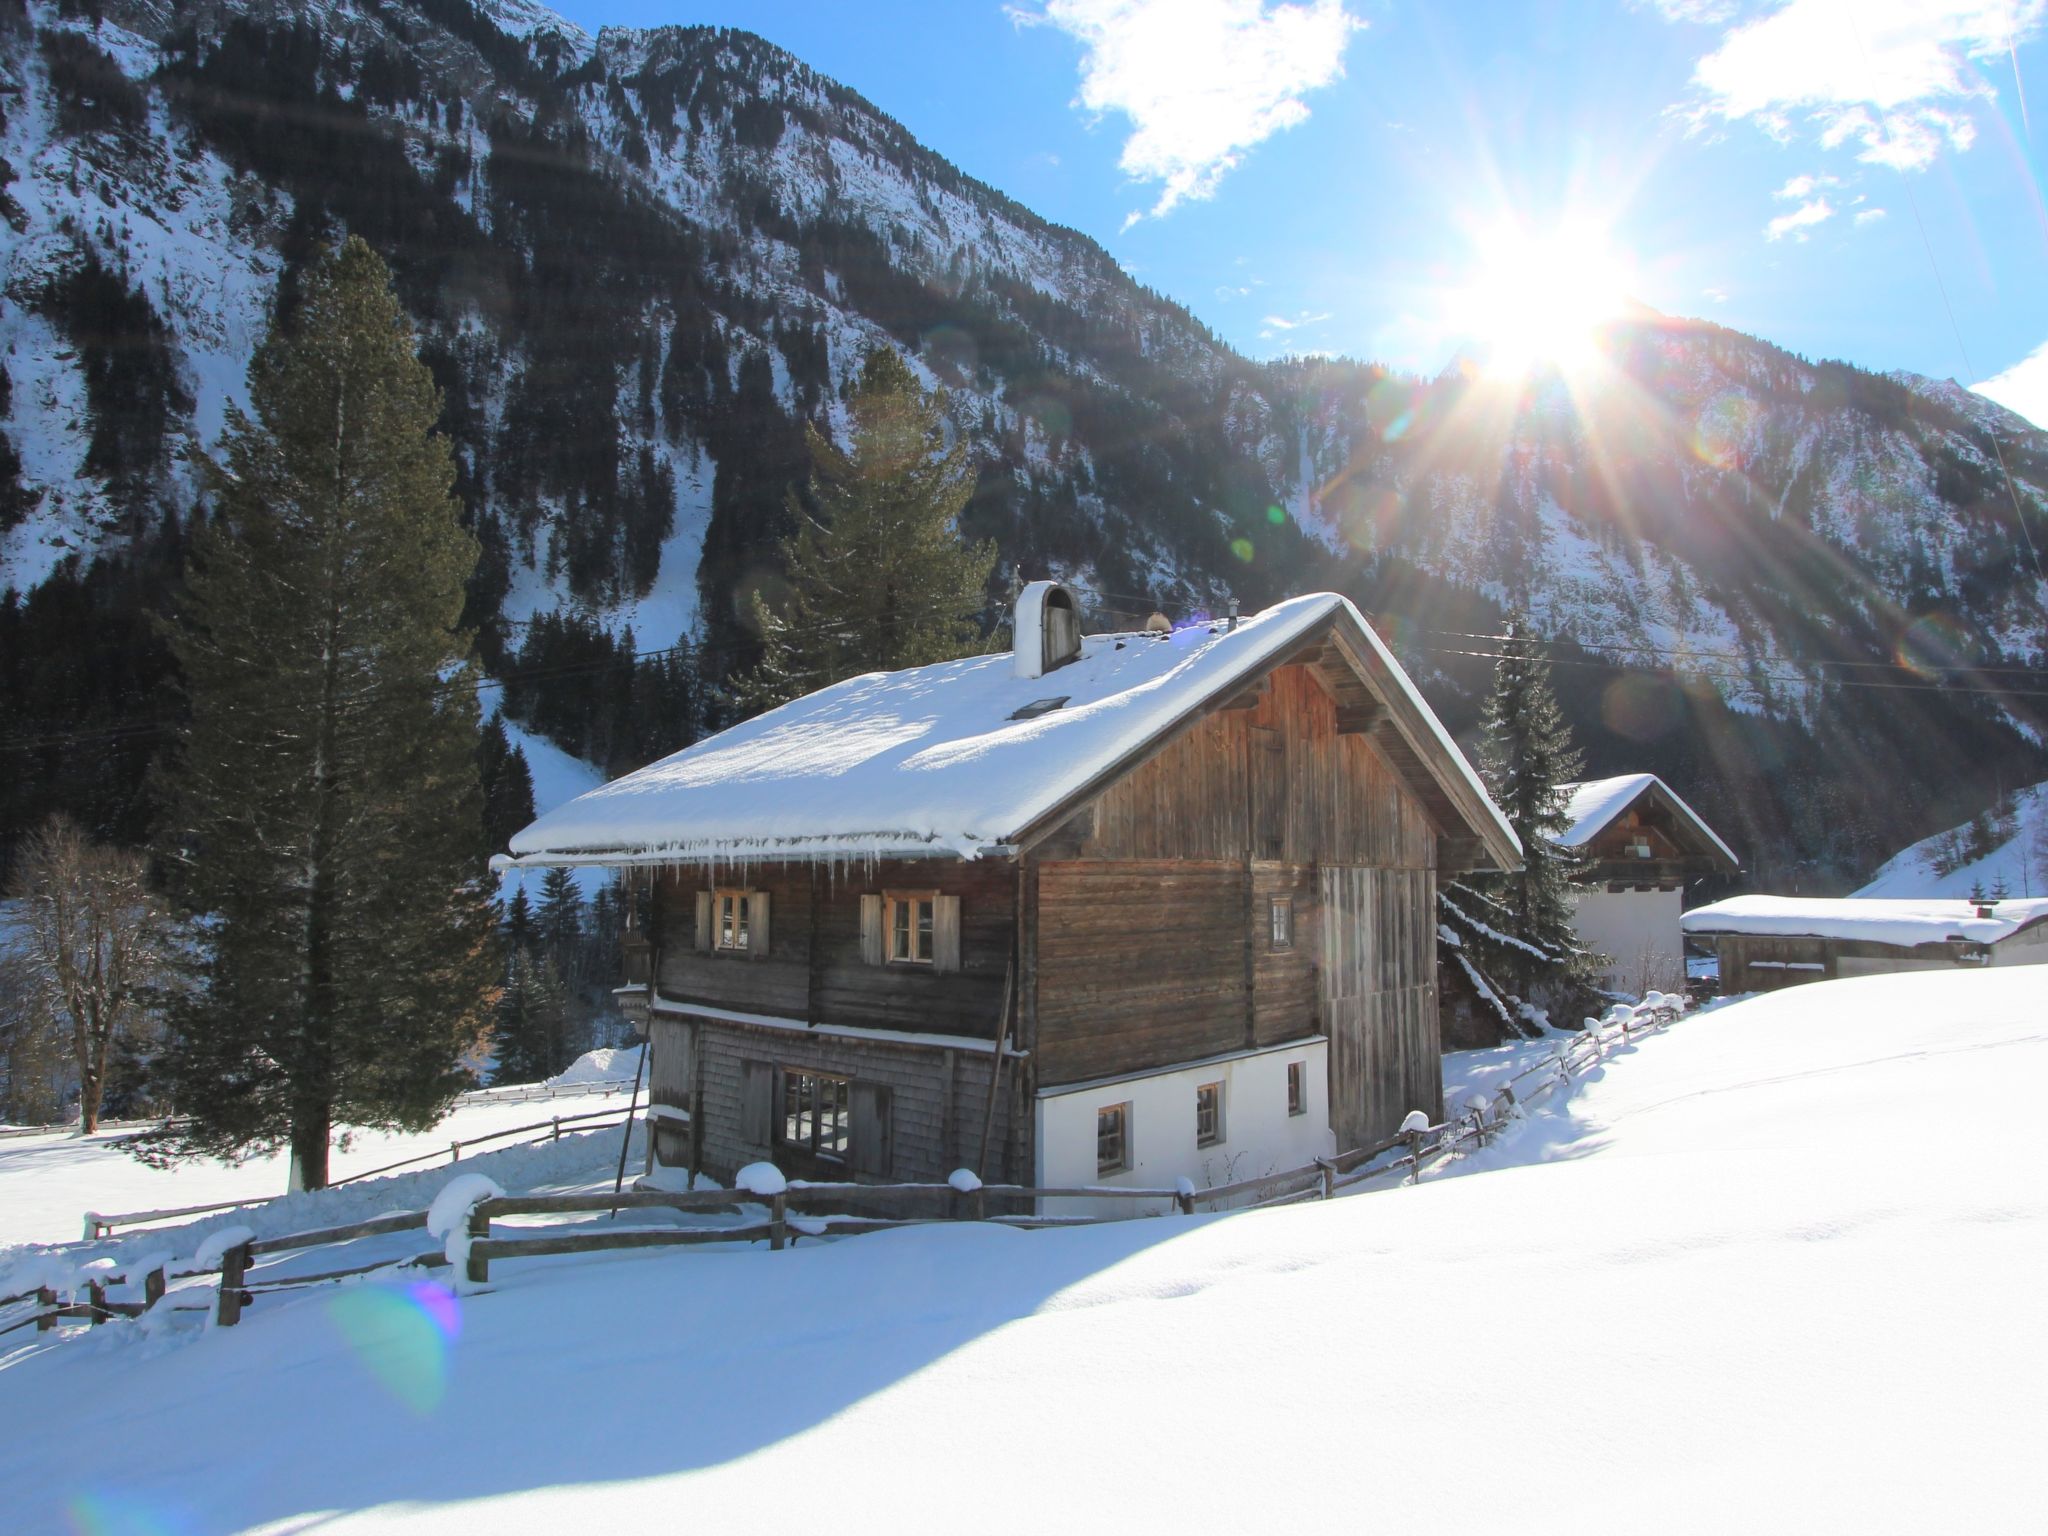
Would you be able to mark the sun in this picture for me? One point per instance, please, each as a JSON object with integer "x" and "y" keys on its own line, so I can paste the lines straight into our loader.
{"x": 1538, "y": 298}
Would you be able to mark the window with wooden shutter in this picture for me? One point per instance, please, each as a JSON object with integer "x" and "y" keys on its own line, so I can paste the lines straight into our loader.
{"x": 704, "y": 903}
{"x": 757, "y": 925}
{"x": 732, "y": 920}
{"x": 871, "y": 929}
{"x": 909, "y": 926}
{"x": 946, "y": 934}
{"x": 757, "y": 1103}
{"x": 874, "y": 1149}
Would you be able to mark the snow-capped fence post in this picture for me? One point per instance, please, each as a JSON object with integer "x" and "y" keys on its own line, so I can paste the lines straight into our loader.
{"x": 234, "y": 1268}
{"x": 46, "y": 1300}
{"x": 477, "y": 1268}
{"x": 778, "y": 1219}
{"x": 1415, "y": 1127}
{"x": 454, "y": 1151}
{"x": 96, "y": 1295}
{"x": 556, "y": 1133}
{"x": 1329, "y": 1172}
{"x": 93, "y": 1226}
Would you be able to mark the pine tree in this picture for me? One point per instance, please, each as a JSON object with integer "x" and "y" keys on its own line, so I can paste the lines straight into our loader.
{"x": 879, "y": 576}
{"x": 507, "y": 784}
{"x": 527, "y": 1026}
{"x": 326, "y": 808}
{"x": 1526, "y": 756}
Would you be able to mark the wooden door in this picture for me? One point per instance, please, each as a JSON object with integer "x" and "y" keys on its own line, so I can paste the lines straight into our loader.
{"x": 1377, "y": 974}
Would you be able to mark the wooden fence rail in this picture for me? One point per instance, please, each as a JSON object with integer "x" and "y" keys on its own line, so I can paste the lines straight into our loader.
{"x": 1405, "y": 1153}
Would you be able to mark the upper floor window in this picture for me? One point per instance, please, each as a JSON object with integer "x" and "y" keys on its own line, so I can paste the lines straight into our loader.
{"x": 731, "y": 919}
{"x": 1280, "y": 915}
{"x": 815, "y": 1113}
{"x": 911, "y": 919}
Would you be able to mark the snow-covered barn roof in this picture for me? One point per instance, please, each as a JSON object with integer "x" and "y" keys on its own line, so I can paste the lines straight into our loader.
{"x": 1904, "y": 923}
{"x": 949, "y": 759}
{"x": 1593, "y": 805}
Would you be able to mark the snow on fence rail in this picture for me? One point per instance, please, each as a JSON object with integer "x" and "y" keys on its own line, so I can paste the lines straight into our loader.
{"x": 469, "y": 1245}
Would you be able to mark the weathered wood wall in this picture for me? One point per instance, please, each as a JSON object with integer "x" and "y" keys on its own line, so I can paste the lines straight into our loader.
{"x": 1379, "y": 982}
{"x": 813, "y": 970}
{"x": 1152, "y": 937}
{"x": 938, "y": 1100}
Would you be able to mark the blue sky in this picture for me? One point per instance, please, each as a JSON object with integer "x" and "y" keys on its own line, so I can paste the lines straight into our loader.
{"x": 1847, "y": 178}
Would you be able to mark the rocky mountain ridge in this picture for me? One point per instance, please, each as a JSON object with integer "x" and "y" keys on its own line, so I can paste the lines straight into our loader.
{"x": 640, "y": 261}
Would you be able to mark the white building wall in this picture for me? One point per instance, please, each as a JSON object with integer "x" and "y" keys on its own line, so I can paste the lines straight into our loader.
{"x": 1638, "y": 932}
{"x": 1259, "y": 1136}
{"x": 2029, "y": 948}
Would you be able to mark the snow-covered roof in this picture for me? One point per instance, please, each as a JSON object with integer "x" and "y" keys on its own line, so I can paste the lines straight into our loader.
{"x": 935, "y": 759}
{"x": 1931, "y": 921}
{"x": 1594, "y": 803}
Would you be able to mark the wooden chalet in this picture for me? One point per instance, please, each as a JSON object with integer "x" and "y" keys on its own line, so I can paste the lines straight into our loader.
{"x": 1768, "y": 942}
{"x": 1110, "y": 908}
{"x": 1645, "y": 846}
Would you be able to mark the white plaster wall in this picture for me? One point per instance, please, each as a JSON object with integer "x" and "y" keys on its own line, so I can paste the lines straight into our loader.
{"x": 1638, "y": 932}
{"x": 2029, "y": 948}
{"x": 1885, "y": 965}
{"x": 1259, "y": 1136}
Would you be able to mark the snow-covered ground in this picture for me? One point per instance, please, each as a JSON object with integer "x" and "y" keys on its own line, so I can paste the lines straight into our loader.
{"x": 1777, "y": 1267}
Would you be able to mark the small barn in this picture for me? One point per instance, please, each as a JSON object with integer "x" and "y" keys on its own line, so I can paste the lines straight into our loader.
{"x": 1767, "y": 942}
{"x": 1644, "y": 846}
{"x": 1119, "y": 908}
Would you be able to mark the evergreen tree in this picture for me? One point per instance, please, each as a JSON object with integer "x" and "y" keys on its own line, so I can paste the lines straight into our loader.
{"x": 327, "y": 813}
{"x": 507, "y": 785}
{"x": 879, "y": 576}
{"x": 559, "y": 922}
{"x": 528, "y": 1024}
{"x": 1526, "y": 756}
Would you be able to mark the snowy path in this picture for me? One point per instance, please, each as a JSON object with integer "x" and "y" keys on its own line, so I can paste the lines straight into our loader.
{"x": 1775, "y": 1268}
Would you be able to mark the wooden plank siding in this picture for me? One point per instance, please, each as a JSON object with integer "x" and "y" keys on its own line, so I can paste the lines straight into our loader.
{"x": 814, "y": 971}
{"x": 1153, "y": 919}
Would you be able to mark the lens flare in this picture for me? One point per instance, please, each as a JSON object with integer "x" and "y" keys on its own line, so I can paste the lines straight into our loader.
{"x": 1642, "y": 708}
{"x": 1242, "y": 548}
{"x": 101, "y": 1513}
{"x": 1276, "y": 516}
{"x": 402, "y": 1338}
{"x": 1538, "y": 298}
{"x": 1933, "y": 645}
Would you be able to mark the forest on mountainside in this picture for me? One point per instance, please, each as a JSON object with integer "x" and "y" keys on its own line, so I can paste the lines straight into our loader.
{"x": 641, "y": 265}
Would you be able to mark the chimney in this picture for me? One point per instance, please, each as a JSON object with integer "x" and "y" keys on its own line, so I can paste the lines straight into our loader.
{"x": 1046, "y": 628}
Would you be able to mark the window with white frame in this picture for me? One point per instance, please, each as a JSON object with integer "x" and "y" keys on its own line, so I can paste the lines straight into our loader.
{"x": 729, "y": 916}
{"x": 910, "y": 920}
{"x": 815, "y": 1108}
{"x": 1297, "y": 1088}
{"x": 1112, "y": 1139}
{"x": 1208, "y": 1114}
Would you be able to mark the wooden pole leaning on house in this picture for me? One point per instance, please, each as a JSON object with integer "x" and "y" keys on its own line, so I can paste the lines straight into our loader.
{"x": 626, "y": 1136}
{"x": 995, "y": 1070}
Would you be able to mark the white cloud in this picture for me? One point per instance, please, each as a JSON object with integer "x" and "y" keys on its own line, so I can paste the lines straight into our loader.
{"x": 1799, "y": 188}
{"x": 1704, "y": 13}
{"x": 2023, "y": 387}
{"x": 1717, "y": 295}
{"x": 1282, "y": 323}
{"x": 1816, "y": 211}
{"x": 1201, "y": 81}
{"x": 1869, "y": 216}
{"x": 1894, "y": 76}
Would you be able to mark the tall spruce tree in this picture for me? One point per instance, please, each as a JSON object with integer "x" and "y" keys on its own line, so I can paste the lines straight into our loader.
{"x": 879, "y": 576}
{"x": 1518, "y": 926}
{"x": 326, "y": 808}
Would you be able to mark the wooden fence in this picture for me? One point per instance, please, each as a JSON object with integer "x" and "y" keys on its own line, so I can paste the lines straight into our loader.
{"x": 98, "y": 1224}
{"x": 808, "y": 1210}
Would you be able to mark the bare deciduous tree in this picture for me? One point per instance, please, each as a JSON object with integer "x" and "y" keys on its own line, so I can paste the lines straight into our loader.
{"x": 92, "y": 947}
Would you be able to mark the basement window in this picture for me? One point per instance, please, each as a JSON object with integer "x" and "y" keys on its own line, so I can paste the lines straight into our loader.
{"x": 1208, "y": 1114}
{"x": 732, "y": 920}
{"x": 1297, "y": 1088}
{"x": 815, "y": 1113}
{"x": 1112, "y": 1140}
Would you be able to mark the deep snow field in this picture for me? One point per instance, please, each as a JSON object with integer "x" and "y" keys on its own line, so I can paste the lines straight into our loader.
{"x": 1776, "y": 1268}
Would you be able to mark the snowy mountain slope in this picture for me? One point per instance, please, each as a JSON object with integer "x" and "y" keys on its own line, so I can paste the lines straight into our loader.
{"x": 2004, "y": 852}
{"x": 1665, "y": 1281}
{"x": 640, "y": 262}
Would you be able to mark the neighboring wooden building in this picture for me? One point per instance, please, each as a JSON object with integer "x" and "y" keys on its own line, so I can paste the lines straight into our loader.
{"x": 1646, "y": 846}
{"x": 1767, "y": 942}
{"x": 1122, "y": 908}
